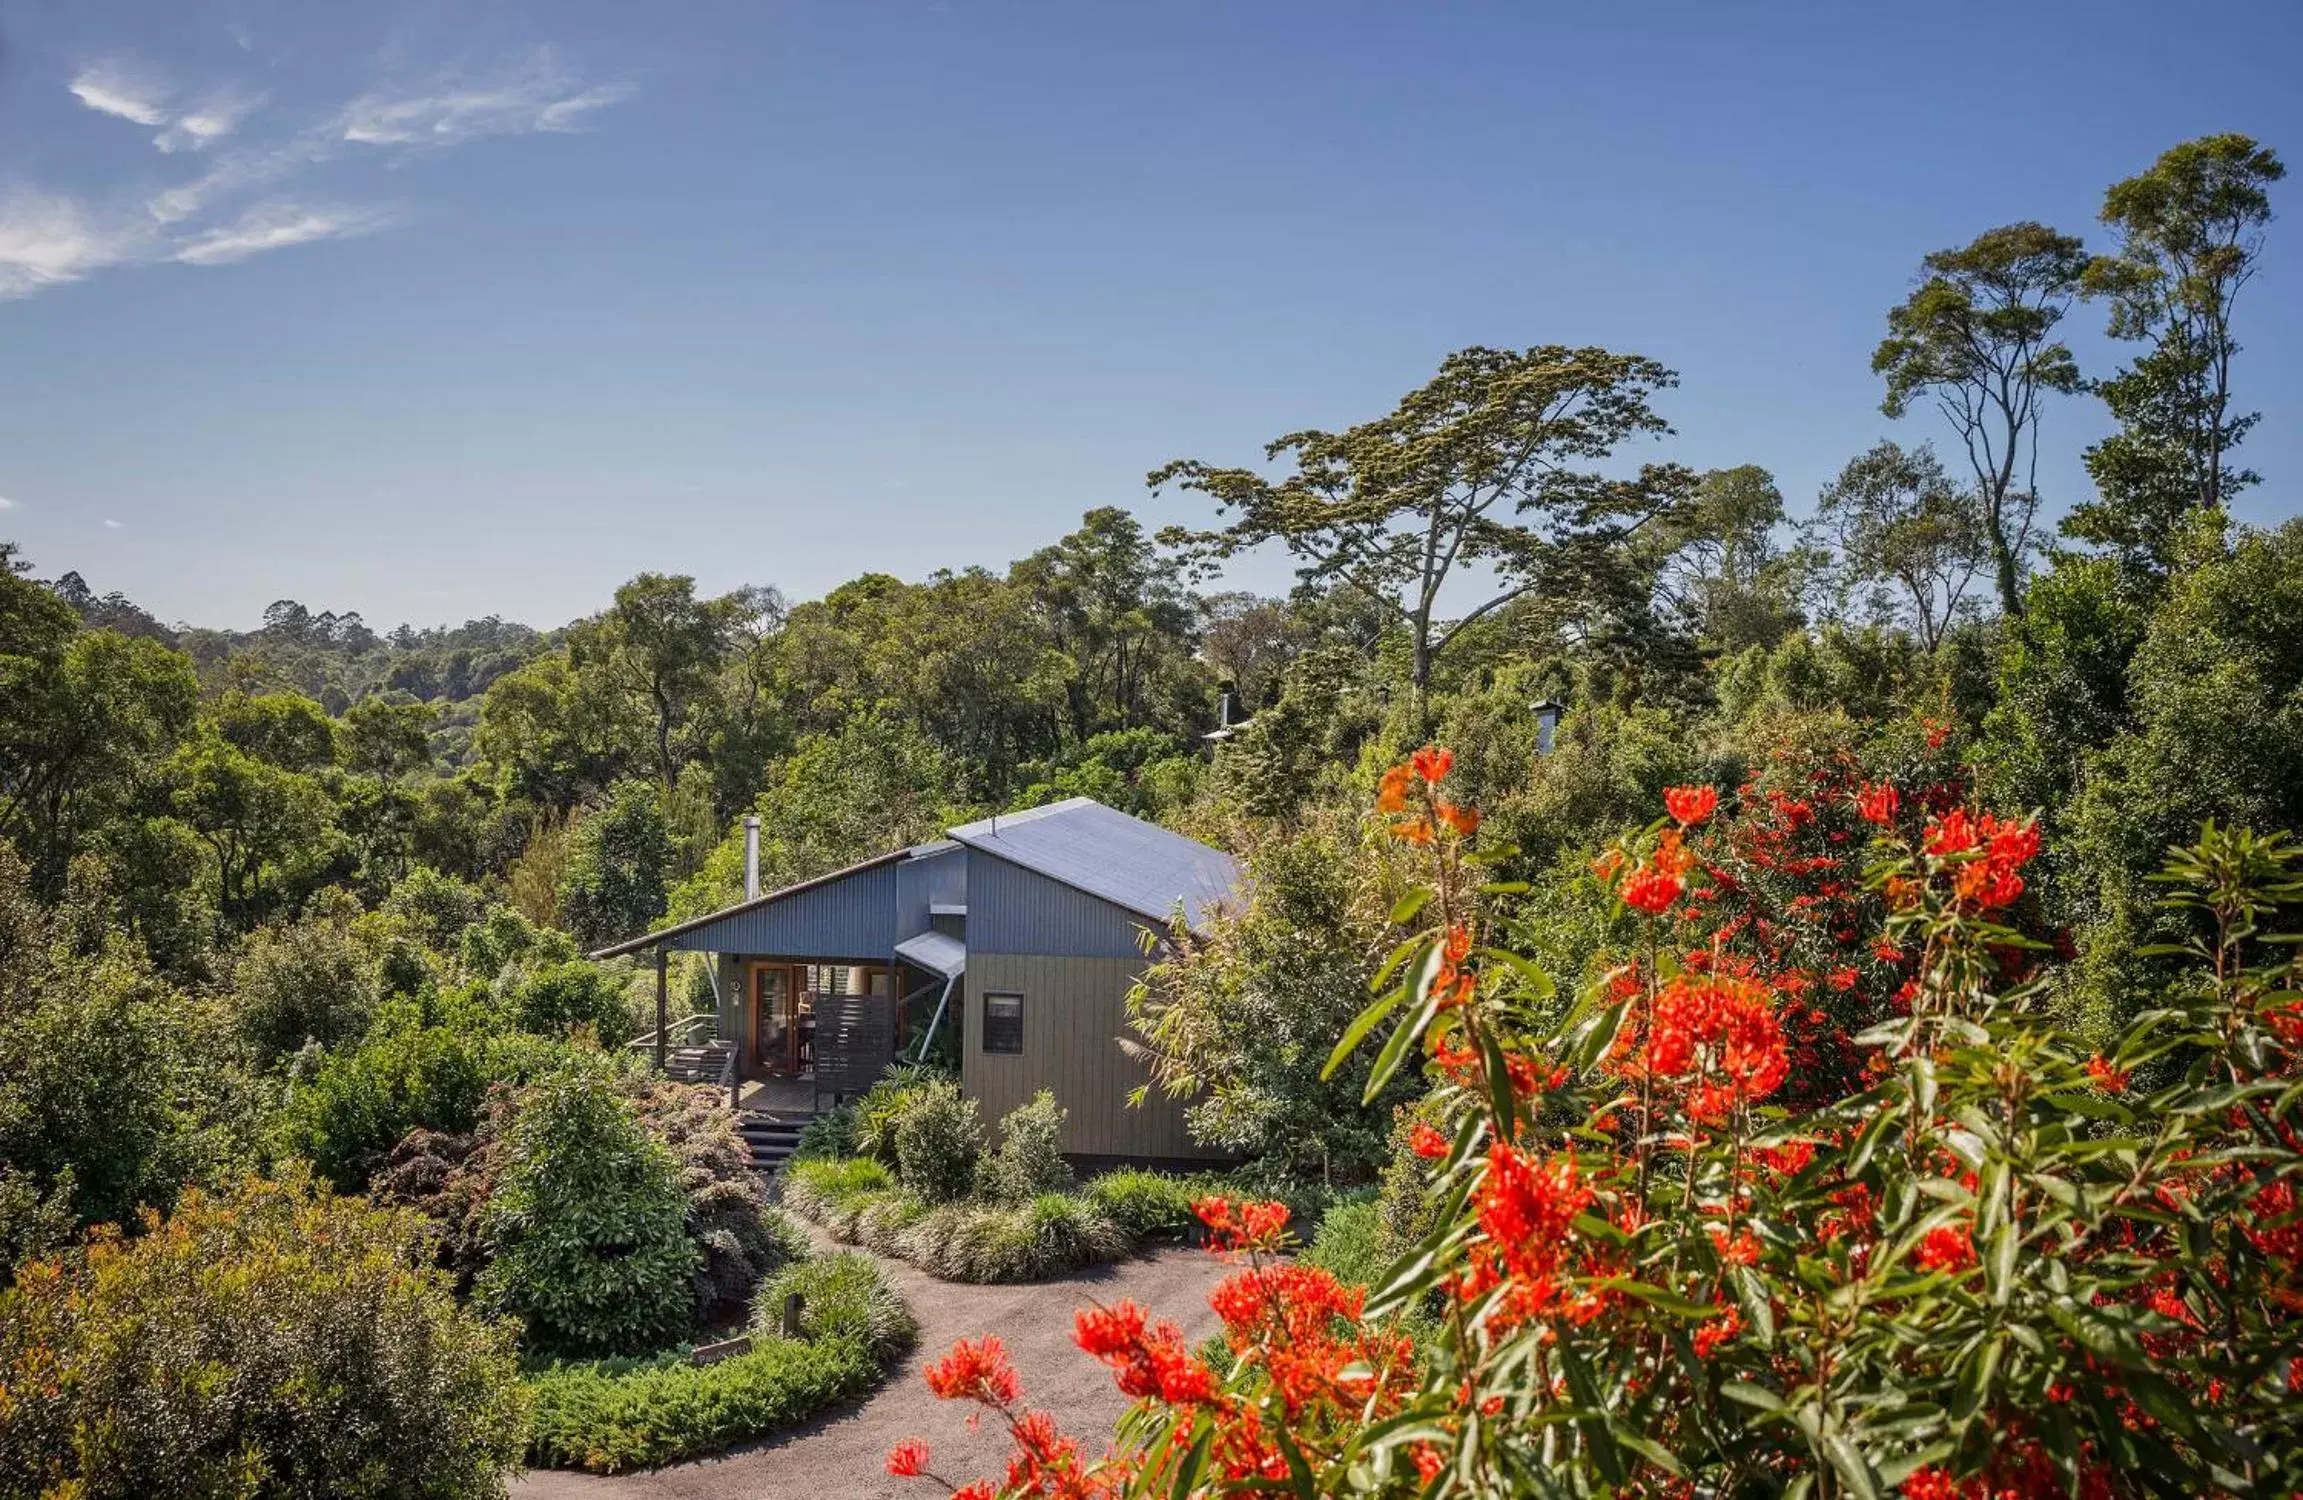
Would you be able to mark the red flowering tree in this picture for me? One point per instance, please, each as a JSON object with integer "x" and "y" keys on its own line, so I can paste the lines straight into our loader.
{"x": 1991, "y": 1269}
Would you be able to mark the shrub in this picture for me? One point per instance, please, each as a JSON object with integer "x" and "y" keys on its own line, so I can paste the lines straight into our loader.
{"x": 727, "y": 1210}
{"x": 1145, "y": 1203}
{"x": 586, "y": 1223}
{"x": 308, "y": 982}
{"x": 1351, "y": 1243}
{"x": 832, "y": 1133}
{"x": 608, "y": 1415}
{"x": 615, "y": 1416}
{"x": 841, "y": 1296}
{"x": 1068, "y": 1231}
{"x": 557, "y": 998}
{"x": 989, "y": 1242}
{"x": 271, "y": 1340}
{"x": 115, "y": 1088}
{"x": 1030, "y": 1159}
{"x": 405, "y": 1076}
{"x": 822, "y": 1188}
{"x": 880, "y": 1106}
{"x": 937, "y": 1138}
{"x": 1406, "y": 1209}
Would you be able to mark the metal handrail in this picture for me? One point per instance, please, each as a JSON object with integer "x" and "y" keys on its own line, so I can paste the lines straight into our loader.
{"x": 680, "y": 1032}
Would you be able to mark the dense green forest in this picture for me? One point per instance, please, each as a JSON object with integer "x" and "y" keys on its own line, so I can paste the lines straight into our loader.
{"x": 280, "y": 902}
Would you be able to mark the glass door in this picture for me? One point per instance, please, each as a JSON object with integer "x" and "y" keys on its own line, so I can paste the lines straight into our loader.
{"x": 772, "y": 1018}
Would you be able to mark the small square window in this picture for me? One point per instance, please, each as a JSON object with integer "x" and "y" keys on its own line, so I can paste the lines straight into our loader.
{"x": 1003, "y": 1023}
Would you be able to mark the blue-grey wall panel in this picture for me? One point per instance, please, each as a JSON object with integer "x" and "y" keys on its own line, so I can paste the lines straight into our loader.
{"x": 1013, "y": 910}
{"x": 936, "y": 879}
{"x": 854, "y": 917}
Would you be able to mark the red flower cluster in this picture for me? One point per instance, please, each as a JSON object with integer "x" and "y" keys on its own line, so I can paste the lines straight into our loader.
{"x": 1720, "y": 1031}
{"x": 1149, "y": 1360}
{"x": 1651, "y": 890}
{"x": 908, "y": 1459}
{"x": 1947, "y": 1247}
{"x": 1243, "y": 1226}
{"x": 1690, "y": 805}
{"x": 1404, "y": 794}
{"x": 1987, "y": 880}
{"x": 1878, "y": 804}
{"x": 976, "y": 1370}
{"x": 1526, "y": 1206}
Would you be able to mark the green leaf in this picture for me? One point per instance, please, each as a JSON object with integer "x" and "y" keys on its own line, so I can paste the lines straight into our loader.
{"x": 1655, "y": 1296}
{"x": 1537, "y": 977}
{"x": 1363, "y": 1023}
{"x": 1499, "y": 1094}
{"x": 1404, "y": 909}
{"x": 1744, "y": 1393}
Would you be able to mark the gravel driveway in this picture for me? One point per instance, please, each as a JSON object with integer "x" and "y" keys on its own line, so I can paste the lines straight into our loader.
{"x": 843, "y": 1453}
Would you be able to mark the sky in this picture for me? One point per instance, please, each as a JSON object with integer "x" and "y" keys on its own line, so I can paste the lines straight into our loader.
{"x": 435, "y": 309}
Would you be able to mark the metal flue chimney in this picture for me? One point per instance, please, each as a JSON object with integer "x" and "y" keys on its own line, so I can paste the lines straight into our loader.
{"x": 751, "y": 856}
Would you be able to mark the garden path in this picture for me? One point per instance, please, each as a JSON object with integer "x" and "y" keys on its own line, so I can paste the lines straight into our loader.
{"x": 842, "y": 1454}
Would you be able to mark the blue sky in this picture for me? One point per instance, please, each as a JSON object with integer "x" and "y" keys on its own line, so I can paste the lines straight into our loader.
{"x": 433, "y": 310}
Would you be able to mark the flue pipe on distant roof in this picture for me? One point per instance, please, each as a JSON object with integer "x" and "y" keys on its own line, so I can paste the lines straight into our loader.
{"x": 751, "y": 856}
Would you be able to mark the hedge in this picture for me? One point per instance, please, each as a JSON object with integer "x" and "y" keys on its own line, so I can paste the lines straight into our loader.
{"x": 612, "y": 1415}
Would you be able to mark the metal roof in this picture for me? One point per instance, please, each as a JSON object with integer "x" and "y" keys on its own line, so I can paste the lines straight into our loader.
{"x": 664, "y": 934}
{"x": 937, "y": 952}
{"x": 1138, "y": 866}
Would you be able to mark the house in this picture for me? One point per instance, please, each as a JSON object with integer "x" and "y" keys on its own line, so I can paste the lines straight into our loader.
{"x": 1012, "y": 942}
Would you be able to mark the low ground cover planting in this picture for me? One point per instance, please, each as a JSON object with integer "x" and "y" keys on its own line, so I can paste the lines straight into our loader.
{"x": 921, "y": 1187}
{"x": 612, "y": 1415}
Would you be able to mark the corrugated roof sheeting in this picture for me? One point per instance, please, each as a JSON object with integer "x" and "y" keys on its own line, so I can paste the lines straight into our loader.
{"x": 1139, "y": 866}
{"x": 935, "y": 952}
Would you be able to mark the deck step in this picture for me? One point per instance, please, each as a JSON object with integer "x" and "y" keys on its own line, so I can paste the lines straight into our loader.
{"x": 697, "y": 1064}
{"x": 772, "y": 1137}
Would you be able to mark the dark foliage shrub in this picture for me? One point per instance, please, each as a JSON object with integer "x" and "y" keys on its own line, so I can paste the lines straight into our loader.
{"x": 726, "y": 1208}
{"x": 586, "y": 1226}
{"x": 310, "y": 981}
{"x": 266, "y": 1341}
{"x": 404, "y": 1077}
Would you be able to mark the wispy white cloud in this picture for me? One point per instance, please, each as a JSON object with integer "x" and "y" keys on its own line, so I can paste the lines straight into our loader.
{"x": 208, "y": 122}
{"x": 123, "y": 89}
{"x": 110, "y": 524}
{"x": 6, "y": 503}
{"x": 275, "y": 226}
{"x": 537, "y": 95}
{"x": 134, "y": 92}
{"x": 47, "y": 241}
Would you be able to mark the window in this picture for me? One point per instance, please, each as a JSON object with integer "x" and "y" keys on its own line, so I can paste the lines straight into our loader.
{"x": 1003, "y": 1023}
